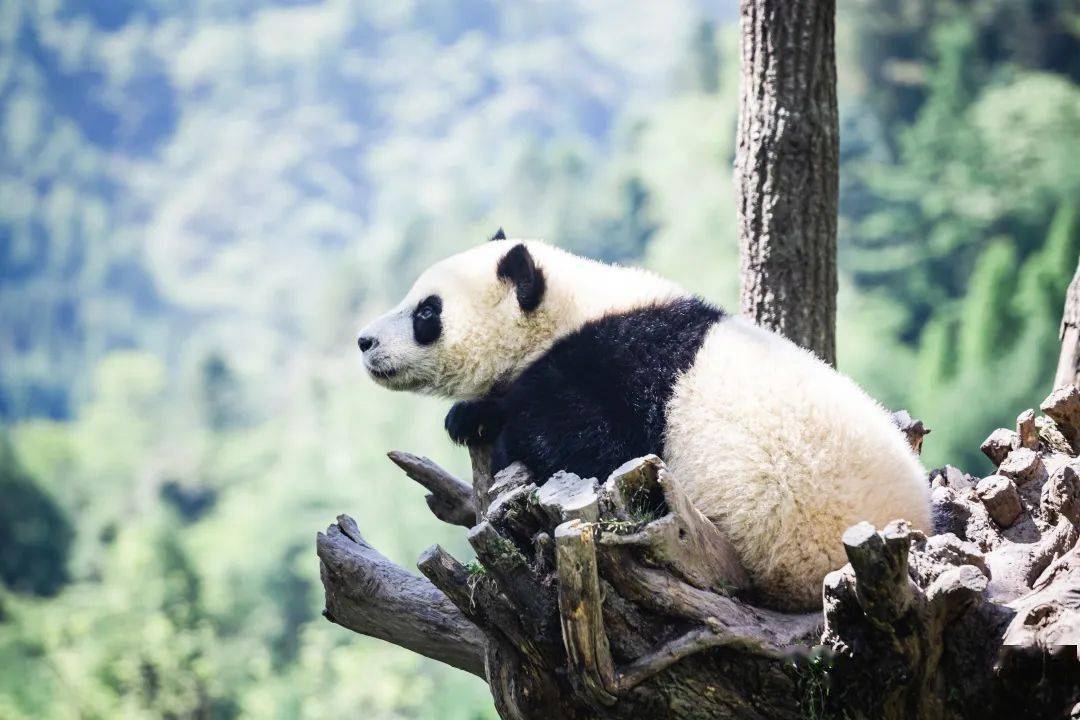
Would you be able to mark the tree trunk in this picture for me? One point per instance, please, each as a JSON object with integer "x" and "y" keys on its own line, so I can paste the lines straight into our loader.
{"x": 1068, "y": 369}
{"x": 786, "y": 170}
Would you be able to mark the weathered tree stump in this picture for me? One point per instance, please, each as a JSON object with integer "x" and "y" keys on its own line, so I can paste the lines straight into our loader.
{"x": 620, "y": 600}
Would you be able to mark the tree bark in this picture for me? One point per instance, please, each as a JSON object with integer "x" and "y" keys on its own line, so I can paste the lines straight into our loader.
{"x": 370, "y": 595}
{"x": 1068, "y": 369}
{"x": 620, "y": 600}
{"x": 787, "y": 170}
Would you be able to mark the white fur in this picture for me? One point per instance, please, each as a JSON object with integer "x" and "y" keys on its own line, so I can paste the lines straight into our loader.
{"x": 784, "y": 454}
{"x": 486, "y": 337}
{"x": 780, "y": 450}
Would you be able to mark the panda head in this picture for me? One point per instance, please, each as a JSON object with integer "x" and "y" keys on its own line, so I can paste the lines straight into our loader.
{"x": 469, "y": 322}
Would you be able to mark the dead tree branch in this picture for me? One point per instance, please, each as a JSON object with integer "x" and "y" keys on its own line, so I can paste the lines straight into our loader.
{"x": 619, "y": 600}
{"x": 451, "y": 500}
{"x": 368, "y": 594}
{"x": 1068, "y": 369}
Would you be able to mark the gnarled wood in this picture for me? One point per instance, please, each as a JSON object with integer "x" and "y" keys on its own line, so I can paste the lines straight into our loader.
{"x": 587, "y": 650}
{"x": 1063, "y": 407}
{"x": 450, "y": 499}
{"x": 679, "y": 537}
{"x": 619, "y": 600}
{"x": 368, "y": 594}
{"x": 914, "y": 430}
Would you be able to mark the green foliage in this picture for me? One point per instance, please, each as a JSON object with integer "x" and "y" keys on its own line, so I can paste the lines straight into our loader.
{"x": 986, "y": 324}
{"x": 972, "y": 230}
{"x": 35, "y": 533}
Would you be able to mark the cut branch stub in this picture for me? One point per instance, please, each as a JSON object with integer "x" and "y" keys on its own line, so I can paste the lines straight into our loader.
{"x": 951, "y": 513}
{"x": 951, "y": 477}
{"x": 1051, "y": 436}
{"x": 955, "y": 590}
{"x": 1023, "y": 465}
{"x": 1025, "y": 428}
{"x": 453, "y": 578}
{"x": 658, "y": 520}
{"x": 480, "y": 457}
{"x": 1061, "y": 496}
{"x": 580, "y": 614}
{"x": 1002, "y": 501}
{"x": 450, "y": 499}
{"x": 1063, "y": 407}
{"x": 914, "y": 430}
{"x": 941, "y": 552}
{"x": 999, "y": 444}
{"x": 880, "y": 562}
{"x": 369, "y": 594}
{"x": 568, "y": 497}
{"x": 512, "y": 573}
{"x": 513, "y": 512}
{"x": 480, "y": 600}
{"x": 512, "y": 476}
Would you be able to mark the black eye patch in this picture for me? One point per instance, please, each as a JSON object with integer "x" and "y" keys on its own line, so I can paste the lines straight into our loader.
{"x": 427, "y": 320}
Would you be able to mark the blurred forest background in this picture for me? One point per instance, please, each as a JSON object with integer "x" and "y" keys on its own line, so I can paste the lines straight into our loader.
{"x": 200, "y": 202}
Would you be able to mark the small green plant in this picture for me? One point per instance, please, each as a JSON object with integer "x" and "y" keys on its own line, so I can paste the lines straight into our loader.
{"x": 724, "y": 587}
{"x": 644, "y": 507}
{"x": 811, "y": 675}
{"x": 619, "y": 527}
{"x": 477, "y": 573}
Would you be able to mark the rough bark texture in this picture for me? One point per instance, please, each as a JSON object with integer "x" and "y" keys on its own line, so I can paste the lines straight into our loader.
{"x": 786, "y": 170}
{"x": 619, "y": 600}
{"x": 368, "y": 594}
{"x": 1068, "y": 370}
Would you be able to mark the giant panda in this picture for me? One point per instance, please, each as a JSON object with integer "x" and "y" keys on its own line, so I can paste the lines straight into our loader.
{"x": 565, "y": 363}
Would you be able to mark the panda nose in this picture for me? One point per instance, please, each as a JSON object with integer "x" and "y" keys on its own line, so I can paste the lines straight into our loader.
{"x": 366, "y": 343}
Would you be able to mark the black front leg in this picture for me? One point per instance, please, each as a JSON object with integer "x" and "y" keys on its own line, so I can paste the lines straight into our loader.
{"x": 474, "y": 422}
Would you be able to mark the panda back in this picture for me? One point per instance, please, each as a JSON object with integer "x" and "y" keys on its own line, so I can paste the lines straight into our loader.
{"x": 784, "y": 453}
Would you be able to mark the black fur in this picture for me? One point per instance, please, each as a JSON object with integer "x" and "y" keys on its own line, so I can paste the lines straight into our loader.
{"x": 499, "y": 235}
{"x": 427, "y": 320}
{"x": 517, "y": 267}
{"x": 596, "y": 399}
{"x": 474, "y": 421}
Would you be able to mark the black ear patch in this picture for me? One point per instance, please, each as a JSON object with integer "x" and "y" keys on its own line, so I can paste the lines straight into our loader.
{"x": 517, "y": 266}
{"x": 499, "y": 235}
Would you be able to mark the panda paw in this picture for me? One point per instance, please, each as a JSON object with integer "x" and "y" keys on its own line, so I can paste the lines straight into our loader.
{"x": 474, "y": 422}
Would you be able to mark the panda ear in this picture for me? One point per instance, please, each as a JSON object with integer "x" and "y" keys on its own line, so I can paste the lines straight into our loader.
{"x": 499, "y": 235}
{"x": 517, "y": 267}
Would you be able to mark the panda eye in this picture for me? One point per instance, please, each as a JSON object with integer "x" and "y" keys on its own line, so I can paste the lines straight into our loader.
{"x": 427, "y": 326}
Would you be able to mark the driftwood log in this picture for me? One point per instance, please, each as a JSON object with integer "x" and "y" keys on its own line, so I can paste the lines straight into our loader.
{"x": 617, "y": 599}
